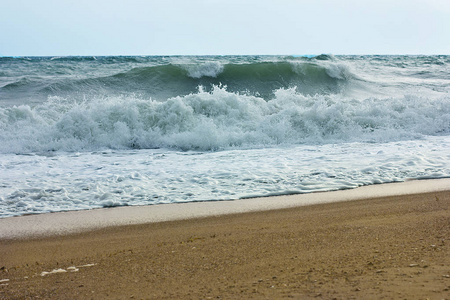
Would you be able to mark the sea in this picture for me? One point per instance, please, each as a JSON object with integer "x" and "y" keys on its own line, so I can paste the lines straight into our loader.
{"x": 78, "y": 133}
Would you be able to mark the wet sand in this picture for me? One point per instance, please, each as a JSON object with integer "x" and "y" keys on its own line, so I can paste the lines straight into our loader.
{"x": 394, "y": 247}
{"x": 78, "y": 221}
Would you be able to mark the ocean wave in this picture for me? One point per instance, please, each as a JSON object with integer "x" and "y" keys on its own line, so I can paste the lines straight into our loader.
{"x": 182, "y": 78}
{"x": 218, "y": 119}
{"x": 260, "y": 78}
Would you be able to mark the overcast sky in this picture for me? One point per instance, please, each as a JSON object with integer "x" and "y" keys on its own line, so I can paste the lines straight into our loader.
{"x": 219, "y": 27}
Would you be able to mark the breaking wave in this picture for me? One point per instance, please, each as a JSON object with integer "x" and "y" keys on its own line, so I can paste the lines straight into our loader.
{"x": 218, "y": 119}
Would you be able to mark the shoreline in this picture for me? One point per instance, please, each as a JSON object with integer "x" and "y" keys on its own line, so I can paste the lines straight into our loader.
{"x": 70, "y": 222}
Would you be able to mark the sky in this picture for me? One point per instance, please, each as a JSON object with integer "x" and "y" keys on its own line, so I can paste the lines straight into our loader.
{"x": 223, "y": 27}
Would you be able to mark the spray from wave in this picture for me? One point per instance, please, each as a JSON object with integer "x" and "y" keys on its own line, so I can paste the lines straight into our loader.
{"x": 218, "y": 119}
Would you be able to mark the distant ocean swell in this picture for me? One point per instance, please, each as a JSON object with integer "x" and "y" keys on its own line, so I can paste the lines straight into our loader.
{"x": 217, "y": 120}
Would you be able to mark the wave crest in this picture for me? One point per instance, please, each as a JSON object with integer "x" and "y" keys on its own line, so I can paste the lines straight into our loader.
{"x": 179, "y": 79}
{"x": 207, "y": 69}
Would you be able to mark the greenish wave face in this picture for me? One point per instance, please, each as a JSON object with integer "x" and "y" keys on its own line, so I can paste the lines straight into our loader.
{"x": 161, "y": 78}
{"x": 35, "y": 79}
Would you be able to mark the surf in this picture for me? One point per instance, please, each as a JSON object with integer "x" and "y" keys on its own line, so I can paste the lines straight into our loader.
{"x": 217, "y": 120}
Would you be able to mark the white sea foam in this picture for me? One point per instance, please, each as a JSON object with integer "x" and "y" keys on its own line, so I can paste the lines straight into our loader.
{"x": 218, "y": 120}
{"x": 55, "y": 271}
{"x": 69, "y": 269}
{"x": 84, "y": 180}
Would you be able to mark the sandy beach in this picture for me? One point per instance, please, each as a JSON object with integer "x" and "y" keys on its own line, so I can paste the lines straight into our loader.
{"x": 392, "y": 247}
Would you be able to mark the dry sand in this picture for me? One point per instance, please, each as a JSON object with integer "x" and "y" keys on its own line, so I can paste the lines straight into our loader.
{"x": 390, "y": 247}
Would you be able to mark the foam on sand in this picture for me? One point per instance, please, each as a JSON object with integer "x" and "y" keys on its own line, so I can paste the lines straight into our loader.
{"x": 77, "y": 221}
